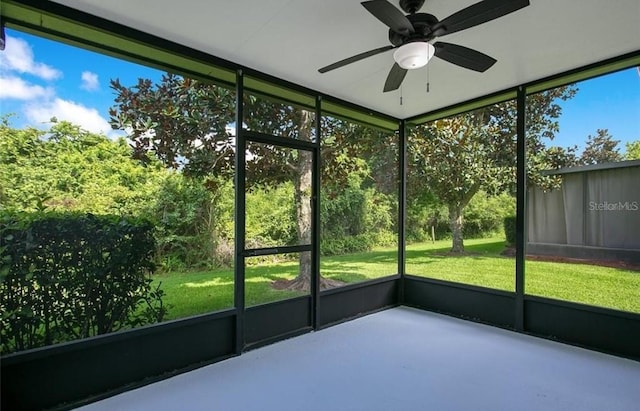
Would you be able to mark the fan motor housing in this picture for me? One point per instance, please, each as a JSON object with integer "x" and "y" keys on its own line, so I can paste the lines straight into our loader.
{"x": 411, "y": 6}
{"x": 422, "y": 23}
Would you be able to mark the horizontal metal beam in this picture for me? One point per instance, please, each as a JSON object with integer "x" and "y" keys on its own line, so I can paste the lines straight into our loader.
{"x": 254, "y": 252}
{"x": 258, "y": 137}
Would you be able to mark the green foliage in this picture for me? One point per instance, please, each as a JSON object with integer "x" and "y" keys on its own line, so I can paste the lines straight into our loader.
{"x": 271, "y": 216}
{"x": 194, "y": 223}
{"x": 632, "y": 150}
{"x": 601, "y": 148}
{"x": 180, "y": 121}
{"x": 359, "y": 204}
{"x": 483, "y": 217}
{"x": 456, "y": 157}
{"x": 510, "y": 230}
{"x": 550, "y": 158}
{"x": 342, "y": 214}
{"x": 346, "y": 245}
{"x": 69, "y": 276}
{"x": 351, "y": 150}
{"x": 355, "y": 220}
{"x": 424, "y": 211}
{"x": 66, "y": 168}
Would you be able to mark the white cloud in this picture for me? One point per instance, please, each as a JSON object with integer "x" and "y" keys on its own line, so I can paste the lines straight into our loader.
{"x": 86, "y": 117}
{"x": 18, "y": 56}
{"x": 16, "y": 88}
{"x": 41, "y": 102}
{"x": 90, "y": 81}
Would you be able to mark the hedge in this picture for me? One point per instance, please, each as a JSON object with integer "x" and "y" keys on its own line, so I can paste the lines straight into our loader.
{"x": 510, "y": 230}
{"x": 68, "y": 276}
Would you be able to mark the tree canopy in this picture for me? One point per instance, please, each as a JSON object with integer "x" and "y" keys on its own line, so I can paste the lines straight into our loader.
{"x": 632, "y": 150}
{"x": 456, "y": 157}
{"x": 68, "y": 168}
{"x": 601, "y": 148}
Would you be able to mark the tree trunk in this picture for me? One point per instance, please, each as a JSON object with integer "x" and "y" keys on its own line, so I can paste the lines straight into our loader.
{"x": 456, "y": 222}
{"x": 302, "y": 181}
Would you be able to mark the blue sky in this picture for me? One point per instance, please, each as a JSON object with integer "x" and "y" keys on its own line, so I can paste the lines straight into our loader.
{"x": 40, "y": 78}
{"x": 611, "y": 102}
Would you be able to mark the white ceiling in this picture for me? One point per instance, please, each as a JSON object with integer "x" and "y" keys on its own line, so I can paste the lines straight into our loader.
{"x": 291, "y": 39}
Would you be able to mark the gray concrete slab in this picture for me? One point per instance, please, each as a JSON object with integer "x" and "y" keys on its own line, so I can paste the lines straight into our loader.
{"x": 400, "y": 359}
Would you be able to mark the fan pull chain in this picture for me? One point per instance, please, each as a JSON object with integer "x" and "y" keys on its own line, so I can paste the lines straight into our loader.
{"x": 400, "y": 95}
{"x": 427, "y": 78}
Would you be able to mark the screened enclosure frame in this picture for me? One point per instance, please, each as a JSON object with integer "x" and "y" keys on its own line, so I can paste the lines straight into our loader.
{"x": 48, "y": 377}
{"x": 243, "y": 137}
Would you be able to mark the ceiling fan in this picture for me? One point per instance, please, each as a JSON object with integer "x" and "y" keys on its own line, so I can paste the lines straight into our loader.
{"x": 412, "y": 36}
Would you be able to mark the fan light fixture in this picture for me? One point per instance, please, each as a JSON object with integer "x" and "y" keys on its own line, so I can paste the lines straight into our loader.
{"x": 413, "y": 36}
{"x": 414, "y": 55}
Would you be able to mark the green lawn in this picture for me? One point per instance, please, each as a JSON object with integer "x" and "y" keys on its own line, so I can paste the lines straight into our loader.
{"x": 204, "y": 291}
{"x": 482, "y": 264}
{"x": 200, "y": 292}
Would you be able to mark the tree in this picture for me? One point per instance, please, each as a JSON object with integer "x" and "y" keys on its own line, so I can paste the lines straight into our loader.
{"x": 270, "y": 165}
{"x": 632, "y": 150}
{"x": 601, "y": 148}
{"x": 460, "y": 143}
{"x": 67, "y": 168}
{"x": 183, "y": 123}
{"x": 458, "y": 156}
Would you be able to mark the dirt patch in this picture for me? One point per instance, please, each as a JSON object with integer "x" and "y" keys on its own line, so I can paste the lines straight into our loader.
{"x": 509, "y": 252}
{"x": 625, "y": 265}
{"x": 280, "y": 284}
{"x": 303, "y": 284}
{"x": 603, "y": 263}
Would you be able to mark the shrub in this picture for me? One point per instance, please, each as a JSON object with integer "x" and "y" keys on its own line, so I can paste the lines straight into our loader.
{"x": 271, "y": 216}
{"x": 192, "y": 216}
{"x": 342, "y": 214}
{"x": 510, "y": 230}
{"x": 485, "y": 214}
{"x": 347, "y": 244}
{"x": 70, "y": 276}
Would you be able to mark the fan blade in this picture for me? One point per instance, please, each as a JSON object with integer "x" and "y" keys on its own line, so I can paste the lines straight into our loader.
{"x": 389, "y": 15}
{"x": 395, "y": 77}
{"x": 355, "y": 58}
{"x": 463, "y": 56}
{"x": 476, "y": 14}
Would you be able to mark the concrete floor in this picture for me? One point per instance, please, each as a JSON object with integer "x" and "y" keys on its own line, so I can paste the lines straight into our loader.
{"x": 400, "y": 359}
